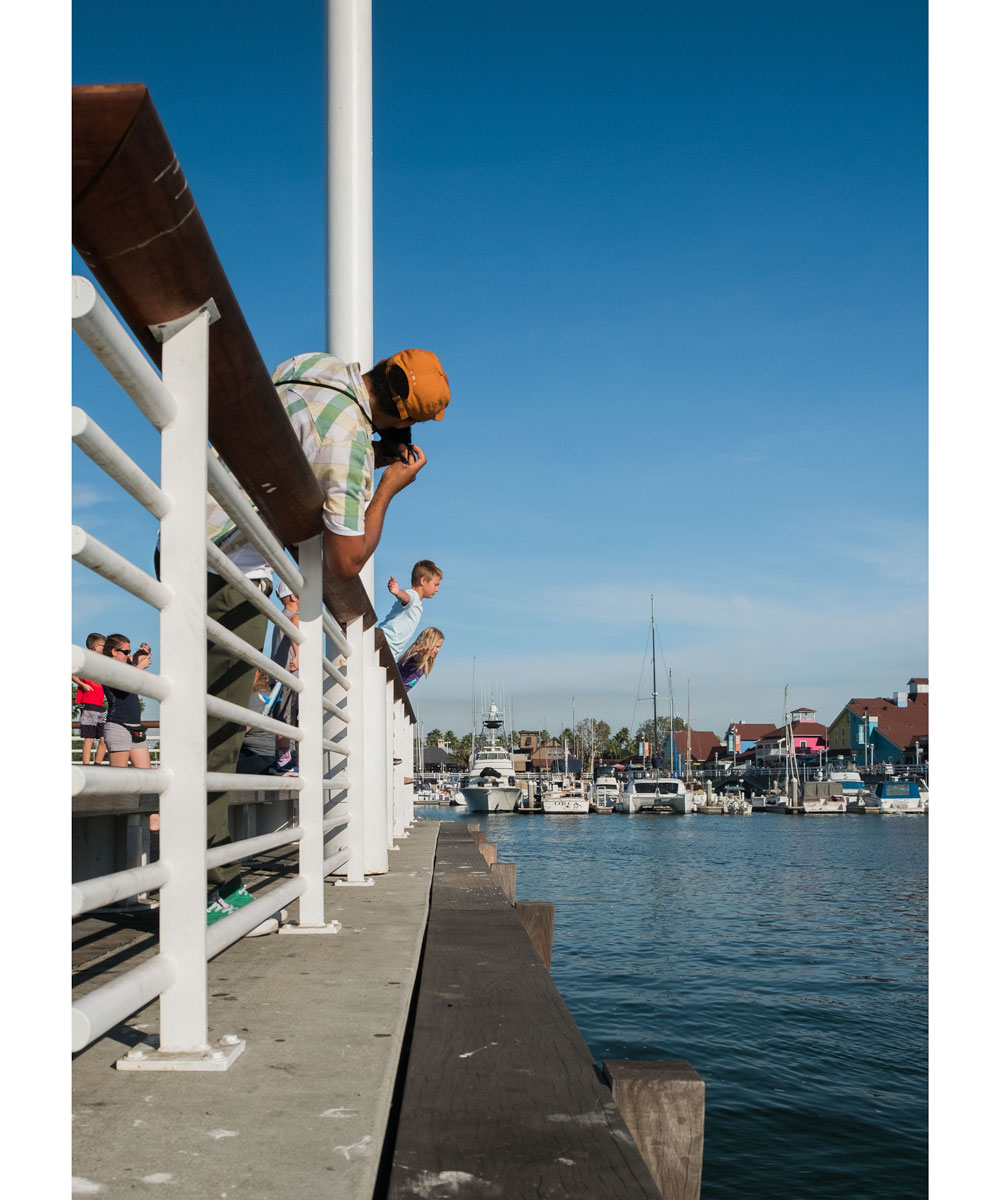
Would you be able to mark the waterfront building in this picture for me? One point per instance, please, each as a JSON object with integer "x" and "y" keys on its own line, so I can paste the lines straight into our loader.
{"x": 808, "y": 739}
{"x": 550, "y": 758}
{"x": 438, "y": 760}
{"x": 884, "y": 729}
{"x": 742, "y": 735}
{"x": 696, "y": 744}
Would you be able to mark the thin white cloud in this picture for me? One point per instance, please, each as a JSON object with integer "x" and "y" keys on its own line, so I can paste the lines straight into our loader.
{"x": 85, "y": 495}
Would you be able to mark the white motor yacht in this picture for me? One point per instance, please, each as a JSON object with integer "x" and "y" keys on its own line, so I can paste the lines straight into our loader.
{"x": 492, "y": 785}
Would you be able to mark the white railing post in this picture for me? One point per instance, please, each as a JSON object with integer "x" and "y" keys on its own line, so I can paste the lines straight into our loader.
{"x": 377, "y": 827}
{"x": 391, "y": 810}
{"x": 311, "y": 723}
{"x": 409, "y": 730}
{"x": 184, "y": 1005}
{"x": 398, "y": 790}
{"x": 354, "y": 768}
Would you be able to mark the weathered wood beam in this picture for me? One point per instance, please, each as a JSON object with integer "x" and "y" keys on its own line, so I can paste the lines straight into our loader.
{"x": 505, "y": 873}
{"x": 538, "y": 918}
{"x": 663, "y": 1104}
{"x": 138, "y": 229}
{"x": 501, "y": 1097}
{"x": 387, "y": 660}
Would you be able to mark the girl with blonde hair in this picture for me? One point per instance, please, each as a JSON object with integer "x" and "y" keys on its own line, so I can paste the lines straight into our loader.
{"x": 418, "y": 660}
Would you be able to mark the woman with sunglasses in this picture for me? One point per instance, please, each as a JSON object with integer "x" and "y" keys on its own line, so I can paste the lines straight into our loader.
{"x": 124, "y": 732}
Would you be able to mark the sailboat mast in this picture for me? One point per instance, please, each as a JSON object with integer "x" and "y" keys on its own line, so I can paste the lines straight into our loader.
{"x": 670, "y": 689}
{"x": 787, "y": 743}
{"x": 473, "y": 758}
{"x": 687, "y": 770}
{"x": 656, "y": 726}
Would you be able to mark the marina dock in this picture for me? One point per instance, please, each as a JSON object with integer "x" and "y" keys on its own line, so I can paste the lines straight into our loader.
{"x": 304, "y": 1111}
{"x": 421, "y": 1050}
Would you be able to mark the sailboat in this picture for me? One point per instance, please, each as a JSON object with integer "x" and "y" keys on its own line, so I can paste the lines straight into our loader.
{"x": 657, "y": 792}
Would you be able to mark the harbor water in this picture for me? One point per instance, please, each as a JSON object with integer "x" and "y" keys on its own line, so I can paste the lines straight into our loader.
{"x": 784, "y": 957}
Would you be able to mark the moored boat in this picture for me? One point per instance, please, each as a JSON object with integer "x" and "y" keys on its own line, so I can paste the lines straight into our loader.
{"x": 822, "y": 797}
{"x": 565, "y": 800}
{"x": 492, "y": 785}
{"x": 852, "y": 787}
{"x": 606, "y": 793}
{"x": 770, "y": 802}
{"x": 733, "y": 802}
{"x": 897, "y": 796}
{"x": 656, "y": 793}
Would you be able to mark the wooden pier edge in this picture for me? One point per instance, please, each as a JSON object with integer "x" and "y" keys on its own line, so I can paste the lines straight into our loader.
{"x": 663, "y": 1104}
{"x": 538, "y": 919}
{"x": 499, "y": 1095}
{"x": 505, "y": 873}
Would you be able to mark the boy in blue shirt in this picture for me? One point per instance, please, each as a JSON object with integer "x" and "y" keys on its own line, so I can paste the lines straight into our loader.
{"x": 404, "y": 616}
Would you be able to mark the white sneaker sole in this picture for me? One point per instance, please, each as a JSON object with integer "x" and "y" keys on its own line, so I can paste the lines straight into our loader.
{"x": 271, "y": 925}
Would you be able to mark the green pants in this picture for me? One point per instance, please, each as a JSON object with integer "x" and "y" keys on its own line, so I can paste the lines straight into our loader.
{"x": 230, "y": 679}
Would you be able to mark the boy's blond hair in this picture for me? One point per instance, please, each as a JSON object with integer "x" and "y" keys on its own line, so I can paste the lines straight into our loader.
{"x": 424, "y": 569}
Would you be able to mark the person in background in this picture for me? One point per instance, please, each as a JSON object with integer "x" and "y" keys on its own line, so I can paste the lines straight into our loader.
{"x": 257, "y": 752}
{"x": 418, "y": 661}
{"x": 124, "y": 732}
{"x": 285, "y": 653}
{"x": 90, "y": 701}
{"x": 404, "y": 616}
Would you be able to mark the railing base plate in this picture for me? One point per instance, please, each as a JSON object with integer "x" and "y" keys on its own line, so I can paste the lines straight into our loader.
{"x": 149, "y": 1057}
{"x": 294, "y": 927}
{"x": 353, "y": 883}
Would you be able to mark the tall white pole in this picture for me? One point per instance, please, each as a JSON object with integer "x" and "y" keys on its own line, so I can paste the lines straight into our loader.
{"x": 350, "y": 336}
{"x": 349, "y": 242}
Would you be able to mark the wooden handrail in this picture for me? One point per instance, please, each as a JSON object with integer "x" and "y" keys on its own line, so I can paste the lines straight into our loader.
{"x": 138, "y": 229}
{"x": 387, "y": 660}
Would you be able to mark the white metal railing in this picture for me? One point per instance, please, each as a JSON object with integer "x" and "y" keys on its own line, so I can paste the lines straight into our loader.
{"x": 343, "y": 824}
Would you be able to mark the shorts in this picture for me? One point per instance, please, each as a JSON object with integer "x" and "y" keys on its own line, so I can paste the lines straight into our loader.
{"x": 287, "y": 708}
{"x": 91, "y": 723}
{"x": 118, "y": 737}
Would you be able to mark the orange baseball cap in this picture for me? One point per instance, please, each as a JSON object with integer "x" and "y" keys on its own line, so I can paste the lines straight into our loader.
{"x": 427, "y": 392}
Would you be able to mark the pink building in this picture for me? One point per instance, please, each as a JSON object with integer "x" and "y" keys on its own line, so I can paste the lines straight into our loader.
{"x": 808, "y": 738}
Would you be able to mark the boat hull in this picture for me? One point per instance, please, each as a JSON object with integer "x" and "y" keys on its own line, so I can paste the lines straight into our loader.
{"x": 491, "y": 799}
{"x": 675, "y": 804}
{"x": 565, "y": 804}
{"x": 634, "y": 804}
{"x": 824, "y": 805}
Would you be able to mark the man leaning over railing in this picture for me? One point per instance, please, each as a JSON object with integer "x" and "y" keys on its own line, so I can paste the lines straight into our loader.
{"x": 335, "y": 410}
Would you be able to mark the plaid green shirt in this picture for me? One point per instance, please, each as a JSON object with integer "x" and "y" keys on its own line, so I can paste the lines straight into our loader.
{"x": 330, "y": 410}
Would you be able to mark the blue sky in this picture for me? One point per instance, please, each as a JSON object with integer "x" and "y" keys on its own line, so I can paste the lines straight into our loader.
{"x": 673, "y": 258}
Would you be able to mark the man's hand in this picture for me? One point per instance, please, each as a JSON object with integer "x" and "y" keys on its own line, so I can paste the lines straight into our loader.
{"x": 390, "y": 452}
{"x": 398, "y": 475}
{"x": 345, "y": 556}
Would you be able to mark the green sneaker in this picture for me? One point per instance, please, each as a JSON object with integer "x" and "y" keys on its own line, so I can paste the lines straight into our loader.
{"x": 217, "y": 908}
{"x": 239, "y": 899}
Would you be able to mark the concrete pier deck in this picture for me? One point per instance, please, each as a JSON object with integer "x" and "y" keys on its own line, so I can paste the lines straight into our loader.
{"x": 303, "y": 1111}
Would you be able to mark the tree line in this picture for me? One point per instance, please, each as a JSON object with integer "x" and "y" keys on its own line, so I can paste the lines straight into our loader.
{"x": 589, "y": 735}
